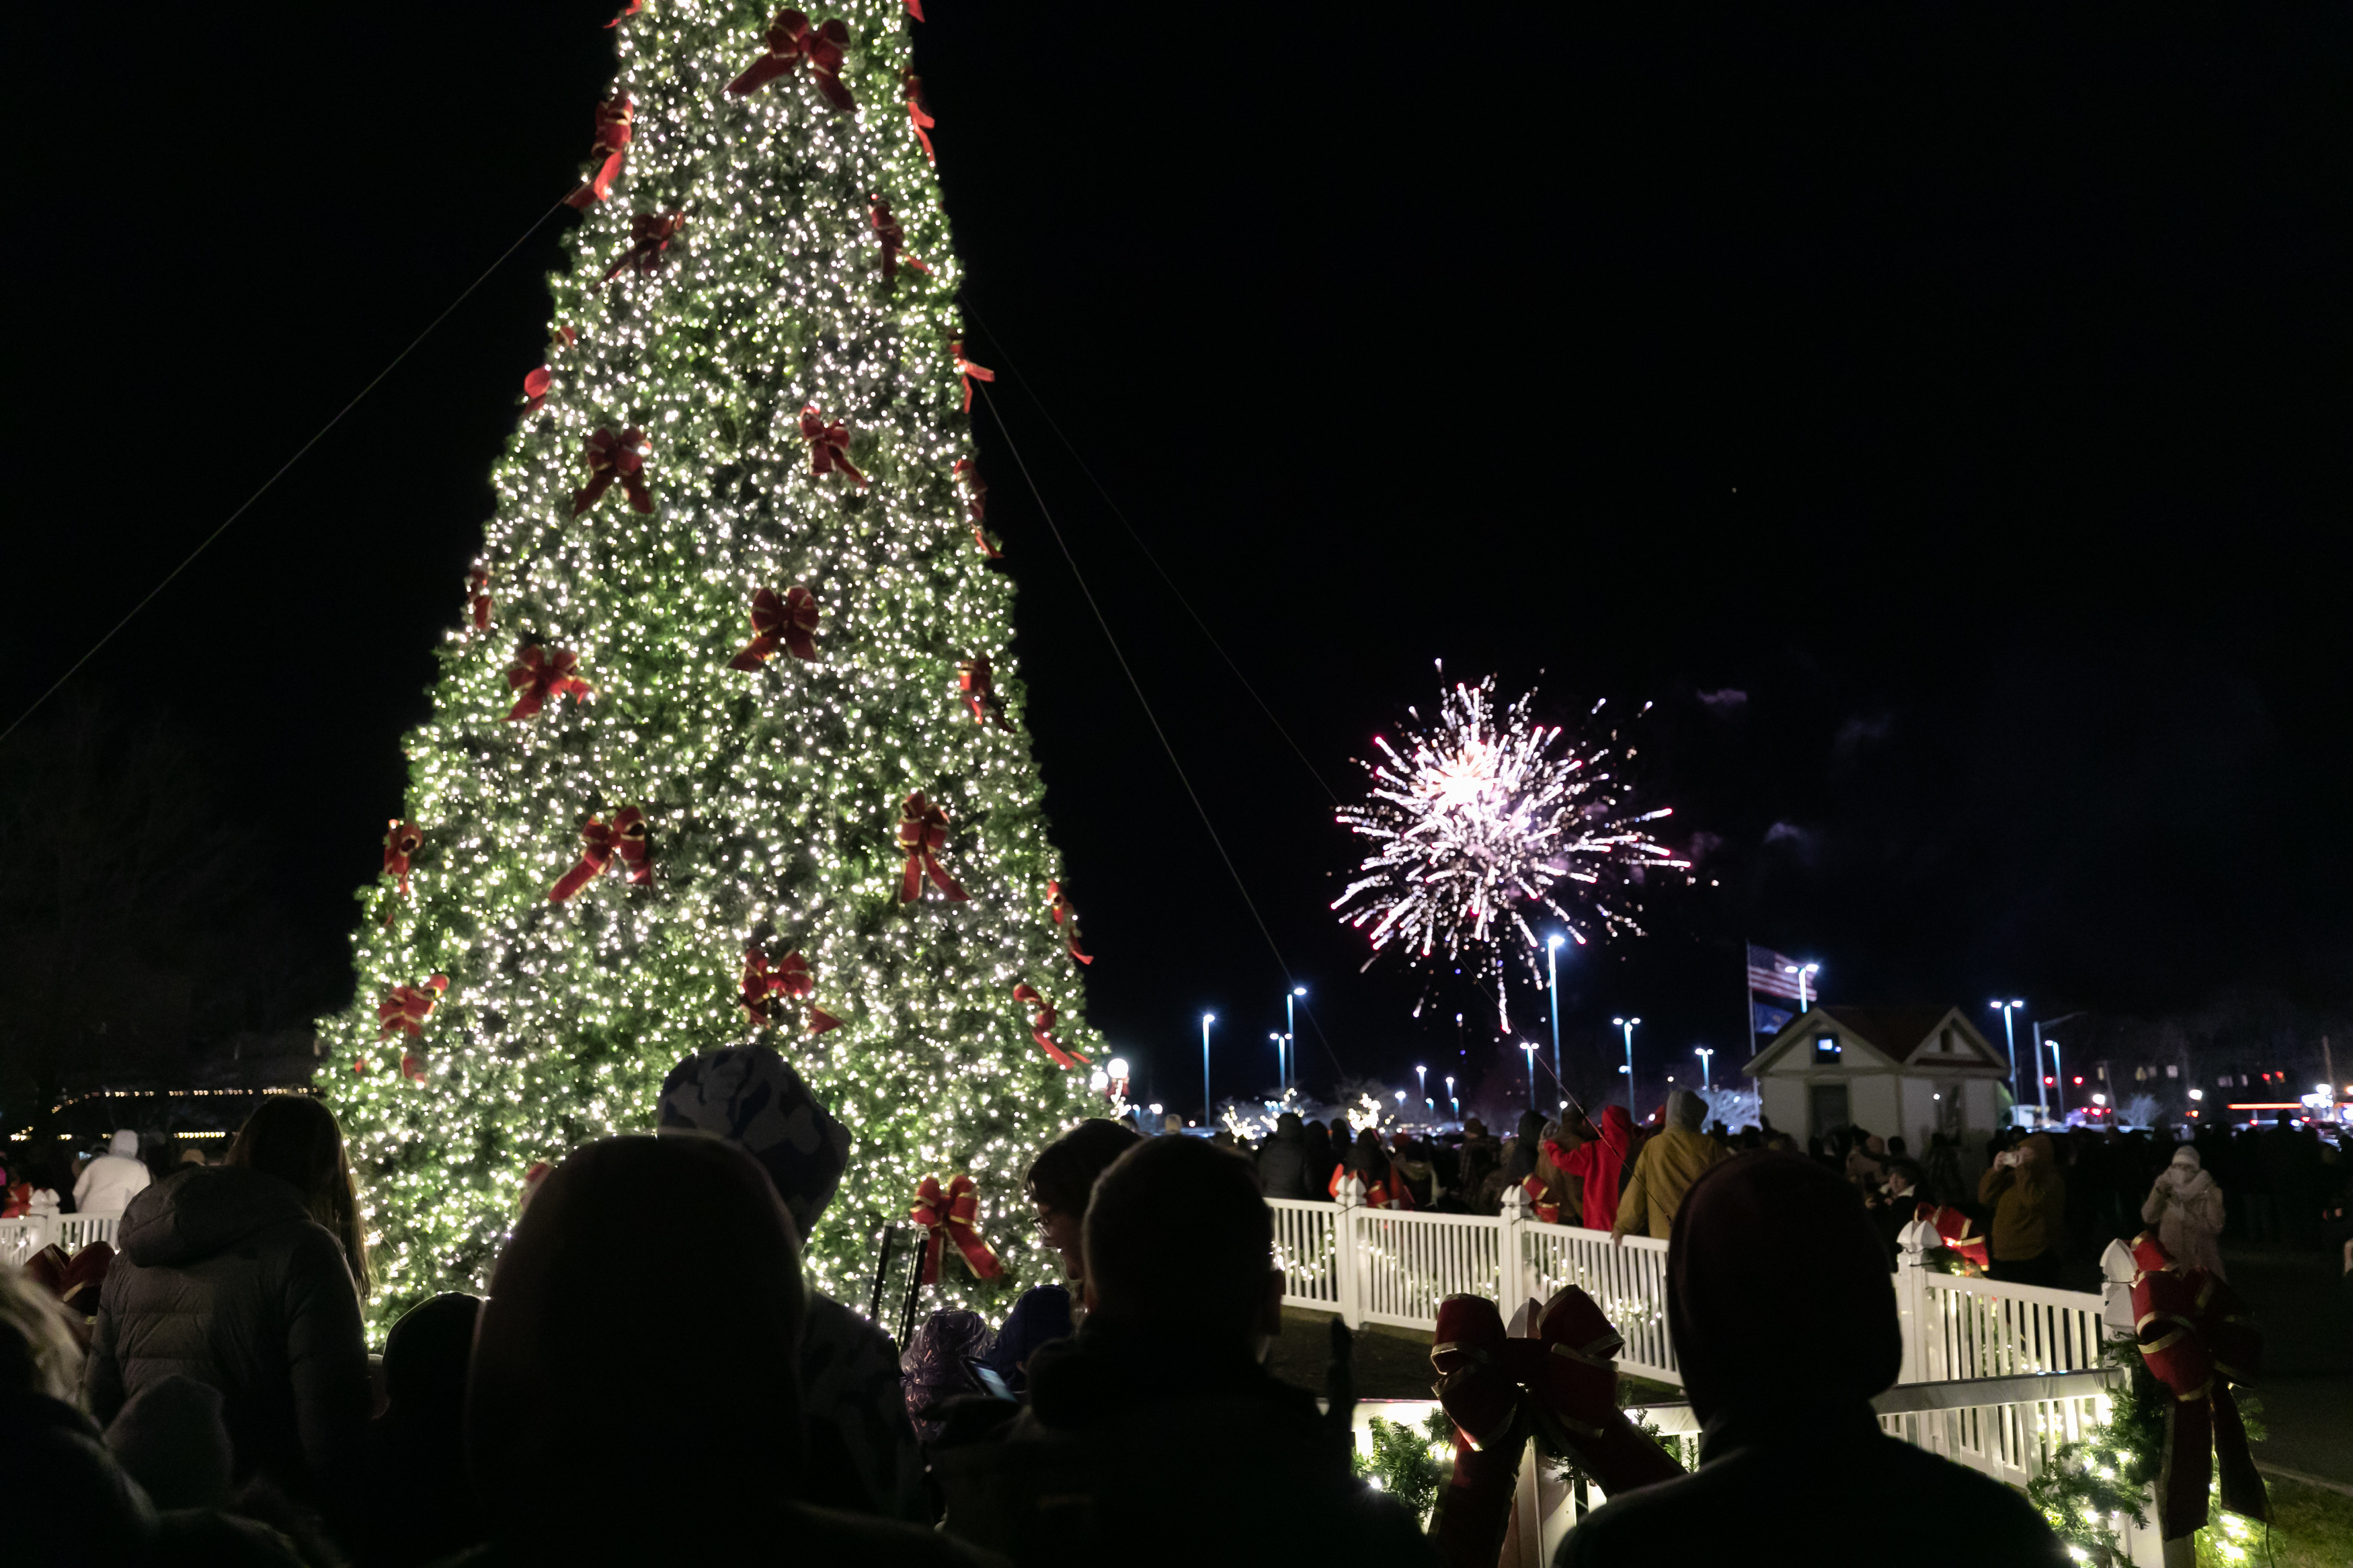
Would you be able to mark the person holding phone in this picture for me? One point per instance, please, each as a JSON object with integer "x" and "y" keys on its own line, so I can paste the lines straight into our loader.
{"x": 2029, "y": 1197}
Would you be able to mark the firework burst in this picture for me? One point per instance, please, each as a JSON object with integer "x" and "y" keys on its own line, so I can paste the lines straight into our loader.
{"x": 1477, "y": 824}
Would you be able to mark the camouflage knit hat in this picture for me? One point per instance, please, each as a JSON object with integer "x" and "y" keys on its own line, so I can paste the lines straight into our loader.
{"x": 751, "y": 1097}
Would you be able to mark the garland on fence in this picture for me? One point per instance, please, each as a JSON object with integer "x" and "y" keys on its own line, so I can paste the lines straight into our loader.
{"x": 1411, "y": 1466}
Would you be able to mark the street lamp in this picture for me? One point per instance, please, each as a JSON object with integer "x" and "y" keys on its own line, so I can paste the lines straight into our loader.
{"x": 1206, "y": 1019}
{"x": 1628, "y": 1025}
{"x": 1422, "y": 1082}
{"x": 1451, "y": 1099}
{"x": 1530, "y": 1050}
{"x": 1552, "y": 967}
{"x": 2042, "y": 1102}
{"x": 2058, "y": 1079}
{"x": 1117, "y": 1067}
{"x": 1291, "y": 1032}
{"x": 1702, "y": 1053}
{"x": 1279, "y": 1040}
{"x": 1806, "y": 972}
{"x": 2009, "y": 1037}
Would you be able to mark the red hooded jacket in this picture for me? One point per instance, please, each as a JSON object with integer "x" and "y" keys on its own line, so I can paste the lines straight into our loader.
{"x": 1599, "y": 1165}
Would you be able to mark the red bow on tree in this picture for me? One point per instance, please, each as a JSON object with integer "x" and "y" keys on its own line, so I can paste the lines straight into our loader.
{"x": 649, "y": 236}
{"x": 975, "y": 491}
{"x": 1068, "y": 919}
{"x": 631, "y": 9}
{"x": 792, "y": 976}
{"x": 979, "y": 684}
{"x": 791, "y": 40}
{"x": 478, "y": 583}
{"x": 796, "y": 979}
{"x": 405, "y": 839}
{"x": 922, "y": 834}
{"x": 828, "y": 446}
{"x": 915, "y": 9}
{"x": 542, "y": 678}
{"x": 405, "y": 1007}
{"x": 624, "y": 839}
{"x": 534, "y": 388}
{"x": 953, "y": 1215}
{"x": 2198, "y": 1339}
{"x": 789, "y": 623}
{"x": 919, "y": 114}
{"x": 893, "y": 238}
{"x": 1042, "y": 1026}
{"x": 412, "y": 1066}
{"x": 613, "y": 132}
{"x": 968, "y": 370}
{"x": 612, "y": 457}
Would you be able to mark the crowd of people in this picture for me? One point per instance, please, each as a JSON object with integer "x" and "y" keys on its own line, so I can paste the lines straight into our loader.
{"x": 220, "y": 1403}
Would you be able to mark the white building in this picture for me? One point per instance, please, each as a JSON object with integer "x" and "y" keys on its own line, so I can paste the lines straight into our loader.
{"x": 1896, "y": 1071}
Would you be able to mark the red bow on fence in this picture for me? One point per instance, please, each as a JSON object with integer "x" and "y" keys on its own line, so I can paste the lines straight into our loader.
{"x": 404, "y": 840}
{"x": 542, "y": 678}
{"x": 1041, "y": 1025}
{"x": 1390, "y": 1192}
{"x": 977, "y": 682}
{"x": 1068, "y": 919}
{"x": 478, "y": 583}
{"x": 893, "y": 237}
{"x": 405, "y": 1007}
{"x": 792, "y": 40}
{"x": 968, "y": 370}
{"x": 624, "y": 839}
{"x": 922, "y": 834}
{"x": 2198, "y": 1339}
{"x": 919, "y": 115}
{"x": 611, "y": 457}
{"x": 975, "y": 491}
{"x": 649, "y": 236}
{"x": 1957, "y": 1231}
{"x": 790, "y": 976}
{"x": 613, "y": 132}
{"x": 1545, "y": 1211}
{"x": 953, "y": 1215}
{"x": 828, "y": 446}
{"x": 789, "y": 623}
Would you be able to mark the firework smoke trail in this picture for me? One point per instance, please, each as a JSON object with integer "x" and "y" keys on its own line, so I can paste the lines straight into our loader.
{"x": 1477, "y": 824}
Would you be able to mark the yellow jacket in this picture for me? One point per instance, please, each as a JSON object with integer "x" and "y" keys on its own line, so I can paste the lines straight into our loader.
{"x": 1664, "y": 1170}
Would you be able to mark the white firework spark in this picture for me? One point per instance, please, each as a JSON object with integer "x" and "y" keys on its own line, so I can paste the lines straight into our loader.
{"x": 1477, "y": 824}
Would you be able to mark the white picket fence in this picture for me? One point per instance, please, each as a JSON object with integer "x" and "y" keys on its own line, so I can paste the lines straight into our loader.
{"x": 28, "y": 1234}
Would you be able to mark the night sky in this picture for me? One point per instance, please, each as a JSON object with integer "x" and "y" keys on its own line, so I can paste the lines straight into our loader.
{"x": 1938, "y": 414}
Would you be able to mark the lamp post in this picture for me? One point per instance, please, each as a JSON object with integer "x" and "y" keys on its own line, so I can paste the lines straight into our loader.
{"x": 1702, "y": 1053}
{"x": 1806, "y": 972}
{"x": 2009, "y": 1040}
{"x": 1552, "y": 986}
{"x": 2058, "y": 1080}
{"x": 1422, "y": 1082}
{"x": 1628, "y": 1025}
{"x": 1206, "y": 1019}
{"x": 1117, "y": 1067}
{"x": 1530, "y": 1050}
{"x": 1451, "y": 1099}
{"x": 1290, "y": 1031}
{"x": 1280, "y": 1041}
{"x": 2042, "y": 1101}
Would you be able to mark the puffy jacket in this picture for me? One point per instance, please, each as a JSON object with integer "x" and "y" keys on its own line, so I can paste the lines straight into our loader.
{"x": 1664, "y": 1170}
{"x": 224, "y": 1276}
{"x": 108, "y": 1183}
{"x": 1282, "y": 1161}
{"x": 1598, "y": 1164}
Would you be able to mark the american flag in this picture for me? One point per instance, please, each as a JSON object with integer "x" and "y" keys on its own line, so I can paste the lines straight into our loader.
{"x": 1776, "y": 974}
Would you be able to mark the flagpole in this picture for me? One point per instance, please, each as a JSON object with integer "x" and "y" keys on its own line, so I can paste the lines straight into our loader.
{"x": 1747, "y": 1016}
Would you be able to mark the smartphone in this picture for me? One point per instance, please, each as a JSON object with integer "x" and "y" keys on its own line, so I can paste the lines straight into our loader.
{"x": 992, "y": 1382}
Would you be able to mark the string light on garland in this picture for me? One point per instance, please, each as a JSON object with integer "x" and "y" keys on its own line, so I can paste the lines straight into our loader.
{"x": 773, "y": 800}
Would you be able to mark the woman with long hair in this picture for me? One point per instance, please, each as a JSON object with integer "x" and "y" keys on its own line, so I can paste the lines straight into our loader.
{"x": 247, "y": 1277}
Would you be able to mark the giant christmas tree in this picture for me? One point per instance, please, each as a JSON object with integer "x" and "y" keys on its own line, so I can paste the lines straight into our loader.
{"x": 725, "y": 744}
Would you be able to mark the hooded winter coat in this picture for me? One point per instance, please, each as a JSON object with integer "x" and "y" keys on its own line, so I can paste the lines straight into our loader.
{"x": 1597, "y": 1166}
{"x": 108, "y": 1183}
{"x": 1283, "y": 1159}
{"x": 1665, "y": 1169}
{"x": 224, "y": 1276}
{"x": 2185, "y": 1207}
{"x": 1787, "y": 1438}
{"x": 2030, "y": 1202}
{"x": 1318, "y": 1160}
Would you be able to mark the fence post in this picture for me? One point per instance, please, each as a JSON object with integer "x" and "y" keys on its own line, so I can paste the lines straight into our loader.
{"x": 1912, "y": 1248}
{"x": 1347, "y": 1271}
{"x": 1511, "y": 1284}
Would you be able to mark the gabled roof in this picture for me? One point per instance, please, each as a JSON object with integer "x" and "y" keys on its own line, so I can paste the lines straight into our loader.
{"x": 1911, "y": 1036}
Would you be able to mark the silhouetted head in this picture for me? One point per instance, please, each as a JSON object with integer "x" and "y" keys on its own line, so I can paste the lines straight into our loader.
{"x": 295, "y": 1139}
{"x": 1180, "y": 1244}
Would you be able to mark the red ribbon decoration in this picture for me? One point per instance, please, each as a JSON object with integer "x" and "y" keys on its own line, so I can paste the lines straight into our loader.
{"x": 791, "y": 40}
{"x": 791, "y": 977}
{"x": 893, "y": 237}
{"x": 979, "y": 684}
{"x": 412, "y": 1066}
{"x": 969, "y": 371}
{"x": 478, "y": 583}
{"x": 2197, "y": 1338}
{"x": 649, "y": 236}
{"x": 360, "y": 1066}
{"x": 405, "y": 839}
{"x": 1068, "y": 919}
{"x": 534, "y": 388}
{"x": 631, "y": 9}
{"x": 976, "y": 491}
{"x": 1042, "y": 1026}
{"x": 625, "y": 839}
{"x": 919, "y": 114}
{"x": 828, "y": 446}
{"x": 612, "y": 457}
{"x": 923, "y": 833}
{"x": 1957, "y": 1232}
{"x": 405, "y": 1007}
{"x": 789, "y": 623}
{"x": 953, "y": 1213}
{"x": 915, "y": 9}
{"x": 613, "y": 132}
{"x": 542, "y": 678}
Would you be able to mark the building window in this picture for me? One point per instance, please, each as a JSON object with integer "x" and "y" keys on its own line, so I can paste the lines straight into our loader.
{"x": 2173, "y": 1069}
{"x": 1826, "y": 1050}
{"x": 1945, "y": 1041}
